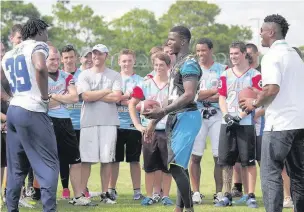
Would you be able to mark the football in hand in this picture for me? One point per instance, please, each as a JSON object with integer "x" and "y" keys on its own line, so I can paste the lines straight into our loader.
{"x": 145, "y": 105}
{"x": 247, "y": 93}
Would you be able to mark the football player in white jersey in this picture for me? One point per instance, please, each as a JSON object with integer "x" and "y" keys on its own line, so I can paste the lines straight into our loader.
{"x": 25, "y": 68}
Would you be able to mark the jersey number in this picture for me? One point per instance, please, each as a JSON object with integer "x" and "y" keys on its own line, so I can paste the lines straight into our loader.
{"x": 19, "y": 76}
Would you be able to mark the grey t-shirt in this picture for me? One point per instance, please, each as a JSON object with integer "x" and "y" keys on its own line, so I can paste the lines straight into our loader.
{"x": 98, "y": 113}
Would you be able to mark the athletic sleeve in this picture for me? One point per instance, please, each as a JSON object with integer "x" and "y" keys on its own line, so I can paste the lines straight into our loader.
{"x": 41, "y": 47}
{"x": 271, "y": 71}
{"x": 117, "y": 84}
{"x": 222, "y": 89}
{"x": 83, "y": 83}
{"x": 138, "y": 93}
{"x": 257, "y": 81}
{"x": 190, "y": 70}
{"x": 69, "y": 80}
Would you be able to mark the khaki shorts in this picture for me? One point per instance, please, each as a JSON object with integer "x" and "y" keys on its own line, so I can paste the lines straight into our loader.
{"x": 97, "y": 144}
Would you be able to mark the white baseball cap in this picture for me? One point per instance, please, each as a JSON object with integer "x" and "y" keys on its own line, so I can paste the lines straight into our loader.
{"x": 85, "y": 52}
{"x": 101, "y": 48}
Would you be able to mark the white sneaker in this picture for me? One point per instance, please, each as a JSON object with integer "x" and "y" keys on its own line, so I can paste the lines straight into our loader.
{"x": 108, "y": 201}
{"x": 23, "y": 203}
{"x": 156, "y": 197}
{"x": 94, "y": 194}
{"x": 196, "y": 198}
{"x": 288, "y": 203}
{"x": 81, "y": 201}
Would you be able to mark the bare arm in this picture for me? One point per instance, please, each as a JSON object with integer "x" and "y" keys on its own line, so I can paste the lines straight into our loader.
{"x": 188, "y": 96}
{"x": 214, "y": 98}
{"x": 267, "y": 95}
{"x": 69, "y": 98}
{"x": 53, "y": 103}
{"x": 39, "y": 62}
{"x": 3, "y": 117}
{"x": 259, "y": 113}
{"x": 223, "y": 104}
{"x": 205, "y": 94}
{"x": 113, "y": 97}
{"x": 132, "y": 110}
{"x": 93, "y": 96}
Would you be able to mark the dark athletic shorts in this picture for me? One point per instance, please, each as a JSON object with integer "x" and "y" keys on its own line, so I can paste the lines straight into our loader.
{"x": 67, "y": 143}
{"x": 3, "y": 150}
{"x": 128, "y": 141}
{"x": 238, "y": 141}
{"x": 156, "y": 153}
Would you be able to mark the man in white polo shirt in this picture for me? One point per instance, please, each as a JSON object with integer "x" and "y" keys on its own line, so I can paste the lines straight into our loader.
{"x": 100, "y": 89}
{"x": 282, "y": 96}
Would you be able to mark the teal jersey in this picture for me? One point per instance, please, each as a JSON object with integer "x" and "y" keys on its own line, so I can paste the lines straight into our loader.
{"x": 75, "y": 109}
{"x": 128, "y": 84}
{"x": 210, "y": 80}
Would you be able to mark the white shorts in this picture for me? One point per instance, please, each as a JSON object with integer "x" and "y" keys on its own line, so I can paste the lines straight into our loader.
{"x": 97, "y": 144}
{"x": 210, "y": 127}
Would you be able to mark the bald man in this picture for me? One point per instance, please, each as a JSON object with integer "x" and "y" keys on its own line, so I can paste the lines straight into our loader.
{"x": 63, "y": 91}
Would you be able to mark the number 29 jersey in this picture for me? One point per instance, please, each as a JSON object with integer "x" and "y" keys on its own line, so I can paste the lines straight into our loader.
{"x": 231, "y": 85}
{"x": 21, "y": 74}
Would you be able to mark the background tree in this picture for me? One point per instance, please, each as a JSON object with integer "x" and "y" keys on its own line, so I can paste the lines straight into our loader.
{"x": 15, "y": 12}
{"x": 199, "y": 17}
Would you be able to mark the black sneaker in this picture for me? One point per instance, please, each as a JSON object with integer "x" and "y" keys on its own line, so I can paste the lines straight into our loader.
{"x": 37, "y": 194}
{"x": 106, "y": 198}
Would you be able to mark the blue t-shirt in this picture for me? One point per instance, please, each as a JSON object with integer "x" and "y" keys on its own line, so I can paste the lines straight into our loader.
{"x": 75, "y": 109}
{"x": 210, "y": 80}
{"x": 59, "y": 86}
{"x": 128, "y": 84}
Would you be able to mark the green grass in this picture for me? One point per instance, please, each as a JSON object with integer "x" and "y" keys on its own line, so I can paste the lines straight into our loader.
{"x": 126, "y": 204}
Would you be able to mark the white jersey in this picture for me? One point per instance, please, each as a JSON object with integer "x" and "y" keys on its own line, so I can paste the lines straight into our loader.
{"x": 21, "y": 74}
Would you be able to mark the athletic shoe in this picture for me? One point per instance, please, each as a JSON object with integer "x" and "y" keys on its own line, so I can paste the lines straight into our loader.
{"x": 147, "y": 201}
{"x": 24, "y": 203}
{"x": 156, "y": 197}
{"x": 30, "y": 191}
{"x": 65, "y": 193}
{"x": 81, "y": 201}
{"x": 242, "y": 200}
{"x": 236, "y": 193}
{"x": 94, "y": 194}
{"x": 251, "y": 201}
{"x": 87, "y": 193}
{"x": 137, "y": 196}
{"x": 113, "y": 193}
{"x": 167, "y": 201}
{"x": 36, "y": 195}
{"x": 217, "y": 197}
{"x": 196, "y": 198}
{"x": 288, "y": 203}
{"x": 4, "y": 196}
{"x": 225, "y": 201}
{"x": 106, "y": 198}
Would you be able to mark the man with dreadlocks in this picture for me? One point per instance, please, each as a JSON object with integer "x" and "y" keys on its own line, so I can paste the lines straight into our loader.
{"x": 30, "y": 135}
{"x": 283, "y": 138}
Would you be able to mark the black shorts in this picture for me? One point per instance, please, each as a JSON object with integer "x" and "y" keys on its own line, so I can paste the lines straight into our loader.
{"x": 235, "y": 142}
{"x": 156, "y": 153}
{"x": 67, "y": 143}
{"x": 131, "y": 139}
{"x": 258, "y": 148}
{"x": 78, "y": 135}
{"x": 3, "y": 150}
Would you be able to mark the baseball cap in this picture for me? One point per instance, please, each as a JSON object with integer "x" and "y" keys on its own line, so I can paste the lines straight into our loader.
{"x": 101, "y": 48}
{"x": 85, "y": 52}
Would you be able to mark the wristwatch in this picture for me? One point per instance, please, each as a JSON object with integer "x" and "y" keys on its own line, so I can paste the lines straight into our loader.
{"x": 254, "y": 102}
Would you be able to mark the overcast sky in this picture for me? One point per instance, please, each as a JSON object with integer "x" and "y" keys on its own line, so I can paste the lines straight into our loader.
{"x": 239, "y": 12}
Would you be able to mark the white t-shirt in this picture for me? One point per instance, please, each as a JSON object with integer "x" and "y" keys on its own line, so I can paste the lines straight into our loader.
{"x": 98, "y": 113}
{"x": 282, "y": 66}
{"x": 21, "y": 75}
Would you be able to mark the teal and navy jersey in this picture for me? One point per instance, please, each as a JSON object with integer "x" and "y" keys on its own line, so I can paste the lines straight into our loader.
{"x": 60, "y": 86}
{"x": 185, "y": 69}
{"x": 128, "y": 84}
{"x": 210, "y": 80}
{"x": 148, "y": 90}
{"x": 230, "y": 86}
{"x": 75, "y": 109}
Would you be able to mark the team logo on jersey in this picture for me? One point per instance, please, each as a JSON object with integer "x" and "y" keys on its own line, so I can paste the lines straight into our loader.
{"x": 260, "y": 84}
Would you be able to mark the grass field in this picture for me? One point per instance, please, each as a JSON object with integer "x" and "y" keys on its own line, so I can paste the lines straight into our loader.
{"x": 125, "y": 192}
